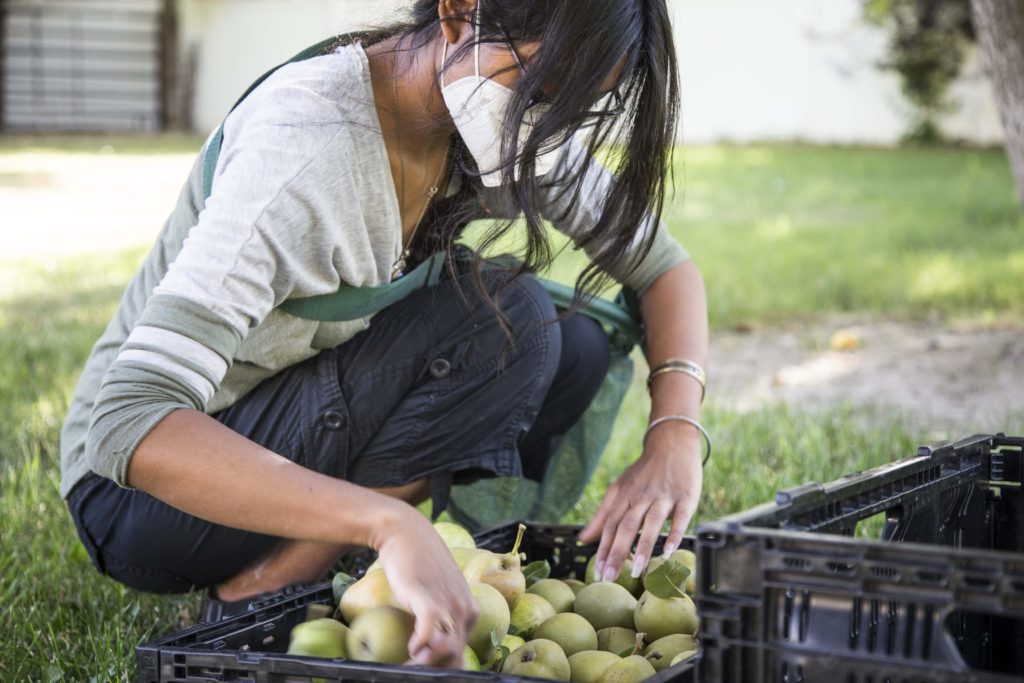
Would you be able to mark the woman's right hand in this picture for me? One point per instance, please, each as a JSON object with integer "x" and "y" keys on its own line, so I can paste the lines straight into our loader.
{"x": 425, "y": 579}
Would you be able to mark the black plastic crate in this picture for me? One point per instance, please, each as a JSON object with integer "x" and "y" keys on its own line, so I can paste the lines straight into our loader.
{"x": 786, "y": 595}
{"x": 250, "y": 648}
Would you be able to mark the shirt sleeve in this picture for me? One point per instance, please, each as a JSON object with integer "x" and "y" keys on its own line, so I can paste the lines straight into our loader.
{"x": 253, "y": 242}
{"x": 575, "y": 215}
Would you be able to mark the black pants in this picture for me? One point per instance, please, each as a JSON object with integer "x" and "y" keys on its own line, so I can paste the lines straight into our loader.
{"x": 435, "y": 389}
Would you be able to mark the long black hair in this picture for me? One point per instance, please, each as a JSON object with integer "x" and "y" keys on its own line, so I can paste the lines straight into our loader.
{"x": 581, "y": 42}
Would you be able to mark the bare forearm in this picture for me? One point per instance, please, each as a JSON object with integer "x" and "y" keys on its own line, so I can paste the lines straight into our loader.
{"x": 676, "y": 320}
{"x": 196, "y": 464}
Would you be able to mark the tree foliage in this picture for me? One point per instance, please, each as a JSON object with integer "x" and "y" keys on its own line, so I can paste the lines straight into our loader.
{"x": 928, "y": 41}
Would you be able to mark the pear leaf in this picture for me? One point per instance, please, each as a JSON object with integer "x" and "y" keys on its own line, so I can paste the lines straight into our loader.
{"x": 627, "y": 652}
{"x": 496, "y": 638}
{"x": 500, "y": 657}
{"x": 341, "y": 583}
{"x": 536, "y": 571}
{"x": 667, "y": 580}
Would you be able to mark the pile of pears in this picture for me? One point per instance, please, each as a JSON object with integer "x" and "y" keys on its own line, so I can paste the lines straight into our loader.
{"x": 529, "y": 625}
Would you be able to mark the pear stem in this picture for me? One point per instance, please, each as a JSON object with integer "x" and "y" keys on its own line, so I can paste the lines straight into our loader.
{"x": 519, "y": 539}
{"x": 639, "y": 646}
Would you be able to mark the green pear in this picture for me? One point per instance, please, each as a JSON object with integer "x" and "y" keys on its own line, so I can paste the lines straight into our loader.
{"x": 588, "y": 666}
{"x": 529, "y": 612}
{"x": 454, "y": 536}
{"x": 606, "y": 604}
{"x": 373, "y": 590}
{"x": 682, "y": 657}
{"x": 380, "y": 635}
{"x": 538, "y": 658}
{"x": 318, "y": 638}
{"x": 685, "y": 558}
{"x": 493, "y": 620}
{"x": 575, "y": 584}
{"x": 616, "y": 639}
{"x": 558, "y": 593}
{"x": 661, "y": 652}
{"x": 659, "y": 617}
{"x": 624, "y": 579}
{"x": 632, "y": 669}
{"x": 504, "y": 572}
{"x": 470, "y": 662}
{"x": 511, "y": 643}
{"x": 572, "y": 632}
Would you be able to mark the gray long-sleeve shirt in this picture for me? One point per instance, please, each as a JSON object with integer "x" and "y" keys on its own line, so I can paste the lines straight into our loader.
{"x": 303, "y": 202}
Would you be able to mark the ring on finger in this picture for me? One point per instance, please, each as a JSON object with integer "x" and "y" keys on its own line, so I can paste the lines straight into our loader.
{"x": 446, "y": 625}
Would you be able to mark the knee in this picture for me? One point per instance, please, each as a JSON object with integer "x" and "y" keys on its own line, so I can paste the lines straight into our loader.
{"x": 585, "y": 354}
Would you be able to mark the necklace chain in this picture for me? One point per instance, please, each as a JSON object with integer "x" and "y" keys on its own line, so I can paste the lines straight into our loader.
{"x": 398, "y": 268}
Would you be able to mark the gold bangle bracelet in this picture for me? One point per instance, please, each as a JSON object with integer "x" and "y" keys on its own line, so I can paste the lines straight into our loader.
{"x": 690, "y": 421}
{"x": 686, "y": 371}
{"x": 698, "y": 371}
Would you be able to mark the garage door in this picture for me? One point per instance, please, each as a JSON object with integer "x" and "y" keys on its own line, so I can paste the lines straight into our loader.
{"x": 82, "y": 65}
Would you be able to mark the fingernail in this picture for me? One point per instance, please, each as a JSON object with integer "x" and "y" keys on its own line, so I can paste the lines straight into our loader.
{"x": 639, "y": 562}
{"x": 609, "y": 575}
{"x": 669, "y": 549}
{"x": 599, "y": 568}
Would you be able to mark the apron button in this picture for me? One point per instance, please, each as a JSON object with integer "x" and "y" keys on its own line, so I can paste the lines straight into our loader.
{"x": 440, "y": 368}
{"x": 334, "y": 420}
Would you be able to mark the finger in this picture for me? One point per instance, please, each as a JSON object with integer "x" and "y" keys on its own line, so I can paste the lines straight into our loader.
{"x": 597, "y": 524}
{"x": 656, "y": 516}
{"x": 443, "y": 647}
{"x": 681, "y": 517}
{"x": 426, "y": 621}
{"x": 625, "y": 534}
{"x": 611, "y": 525}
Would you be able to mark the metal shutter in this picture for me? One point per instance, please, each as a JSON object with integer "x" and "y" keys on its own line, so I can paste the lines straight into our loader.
{"x": 82, "y": 65}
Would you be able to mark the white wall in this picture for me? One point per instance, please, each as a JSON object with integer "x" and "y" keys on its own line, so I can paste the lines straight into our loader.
{"x": 752, "y": 69}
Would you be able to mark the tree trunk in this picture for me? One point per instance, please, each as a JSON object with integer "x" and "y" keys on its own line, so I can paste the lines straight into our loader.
{"x": 1000, "y": 26}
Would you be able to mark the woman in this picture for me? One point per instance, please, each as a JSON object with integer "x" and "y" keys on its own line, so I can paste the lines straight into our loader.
{"x": 217, "y": 441}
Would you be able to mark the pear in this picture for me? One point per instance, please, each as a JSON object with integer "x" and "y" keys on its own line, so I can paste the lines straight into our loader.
{"x": 632, "y": 669}
{"x": 682, "y": 657}
{"x": 575, "y": 584}
{"x": 606, "y": 604}
{"x": 558, "y": 593}
{"x": 454, "y": 536}
{"x": 616, "y": 639}
{"x": 464, "y": 555}
{"x": 660, "y": 617}
{"x": 661, "y": 652}
{"x": 368, "y": 592}
{"x": 470, "y": 662}
{"x": 504, "y": 572}
{"x": 588, "y": 666}
{"x": 685, "y": 558}
{"x": 380, "y": 635}
{"x": 624, "y": 579}
{"x": 529, "y": 612}
{"x": 318, "y": 638}
{"x": 511, "y": 643}
{"x": 572, "y": 632}
{"x": 493, "y": 620}
{"x": 539, "y": 658}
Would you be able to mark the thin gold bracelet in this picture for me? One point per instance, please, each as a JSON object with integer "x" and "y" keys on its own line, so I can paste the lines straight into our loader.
{"x": 685, "y": 371}
{"x": 687, "y": 420}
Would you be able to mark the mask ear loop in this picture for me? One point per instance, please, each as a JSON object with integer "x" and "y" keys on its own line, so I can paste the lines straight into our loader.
{"x": 476, "y": 50}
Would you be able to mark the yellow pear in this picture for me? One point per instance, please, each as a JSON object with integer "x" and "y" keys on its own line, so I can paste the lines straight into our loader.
{"x": 454, "y": 536}
{"x": 493, "y": 620}
{"x": 368, "y": 592}
{"x": 504, "y": 572}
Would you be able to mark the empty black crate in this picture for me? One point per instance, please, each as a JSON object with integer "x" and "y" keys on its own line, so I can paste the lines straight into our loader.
{"x": 251, "y": 648}
{"x": 785, "y": 594}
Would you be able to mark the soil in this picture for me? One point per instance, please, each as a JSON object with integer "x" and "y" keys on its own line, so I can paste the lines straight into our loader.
{"x": 944, "y": 380}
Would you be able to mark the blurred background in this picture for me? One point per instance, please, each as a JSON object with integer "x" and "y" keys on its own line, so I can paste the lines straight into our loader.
{"x": 841, "y": 177}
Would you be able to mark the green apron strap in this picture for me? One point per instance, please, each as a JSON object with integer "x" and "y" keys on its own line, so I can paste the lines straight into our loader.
{"x": 353, "y": 303}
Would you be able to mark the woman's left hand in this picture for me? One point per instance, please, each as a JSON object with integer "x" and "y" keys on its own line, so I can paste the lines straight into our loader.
{"x": 664, "y": 484}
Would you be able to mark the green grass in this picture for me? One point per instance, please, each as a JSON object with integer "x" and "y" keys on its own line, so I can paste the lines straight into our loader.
{"x": 779, "y": 233}
{"x": 173, "y": 143}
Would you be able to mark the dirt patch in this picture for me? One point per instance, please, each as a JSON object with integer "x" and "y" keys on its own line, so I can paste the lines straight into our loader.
{"x": 944, "y": 380}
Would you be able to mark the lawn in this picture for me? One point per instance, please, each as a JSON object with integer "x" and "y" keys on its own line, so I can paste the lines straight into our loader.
{"x": 781, "y": 233}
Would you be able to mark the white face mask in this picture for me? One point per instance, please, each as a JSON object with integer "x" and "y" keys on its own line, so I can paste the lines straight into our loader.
{"x": 478, "y": 106}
